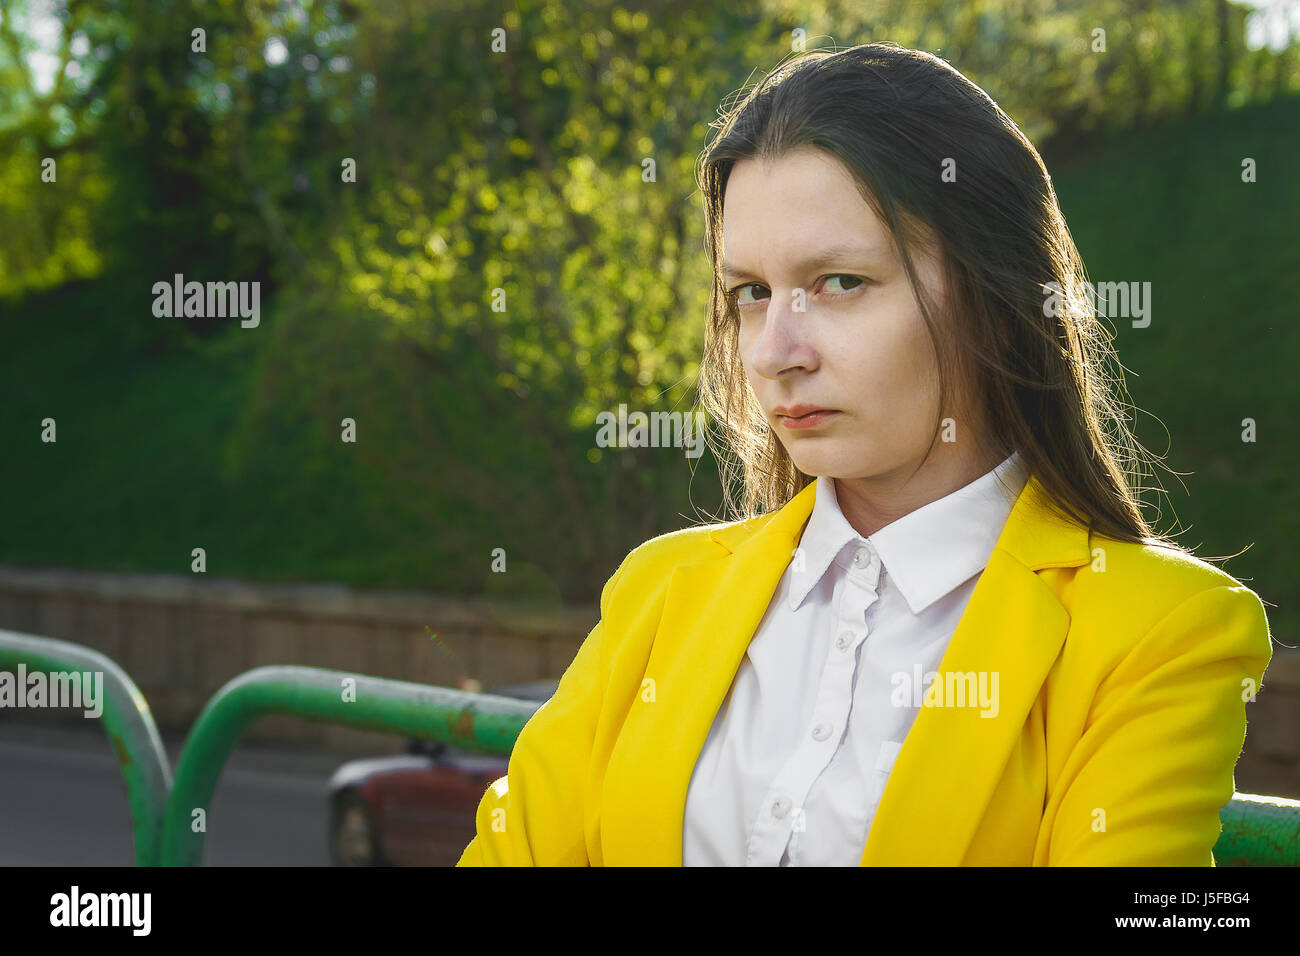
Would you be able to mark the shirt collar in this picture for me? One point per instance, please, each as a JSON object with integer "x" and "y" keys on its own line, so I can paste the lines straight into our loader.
{"x": 927, "y": 552}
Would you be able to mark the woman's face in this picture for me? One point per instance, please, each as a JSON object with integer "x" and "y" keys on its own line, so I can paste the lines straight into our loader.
{"x": 829, "y": 320}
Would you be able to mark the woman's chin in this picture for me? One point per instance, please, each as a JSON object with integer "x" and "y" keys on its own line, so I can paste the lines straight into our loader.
{"x": 816, "y": 463}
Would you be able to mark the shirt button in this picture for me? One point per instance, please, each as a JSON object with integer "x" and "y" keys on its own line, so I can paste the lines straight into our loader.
{"x": 843, "y": 640}
{"x": 780, "y": 806}
{"x": 821, "y": 731}
{"x": 862, "y": 558}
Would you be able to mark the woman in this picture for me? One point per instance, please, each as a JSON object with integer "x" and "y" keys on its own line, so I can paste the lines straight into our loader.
{"x": 943, "y": 633}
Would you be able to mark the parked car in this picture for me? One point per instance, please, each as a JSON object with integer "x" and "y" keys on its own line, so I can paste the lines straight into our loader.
{"x": 417, "y": 808}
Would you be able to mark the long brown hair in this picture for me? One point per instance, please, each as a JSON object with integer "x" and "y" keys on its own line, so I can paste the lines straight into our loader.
{"x": 1054, "y": 388}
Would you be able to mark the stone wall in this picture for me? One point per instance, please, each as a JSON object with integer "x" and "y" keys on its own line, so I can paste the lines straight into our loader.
{"x": 1270, "y": 762}
{"x": 180, "y": 638}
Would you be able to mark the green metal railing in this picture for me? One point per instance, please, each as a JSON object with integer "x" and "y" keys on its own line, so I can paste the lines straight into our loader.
{"x": 127, "y": 721}
{"x": 473, "y": 721}
{"x": 1257, "y": 830}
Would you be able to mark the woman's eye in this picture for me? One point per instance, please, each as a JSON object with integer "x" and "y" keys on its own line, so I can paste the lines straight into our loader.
{"x": 853, "y": 279}
{"x": 736, "y": 293}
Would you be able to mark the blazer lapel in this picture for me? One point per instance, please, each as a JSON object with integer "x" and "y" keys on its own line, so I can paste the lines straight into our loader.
{"x": 951, "y": 758}
{"x": 711, "y": 610}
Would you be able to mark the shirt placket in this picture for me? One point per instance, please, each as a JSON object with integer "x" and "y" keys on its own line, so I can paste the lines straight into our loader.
{"x": 782, "y": 817}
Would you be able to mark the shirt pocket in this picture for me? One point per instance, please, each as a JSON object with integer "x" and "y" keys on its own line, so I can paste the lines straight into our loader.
{"x": 885, "y": 758}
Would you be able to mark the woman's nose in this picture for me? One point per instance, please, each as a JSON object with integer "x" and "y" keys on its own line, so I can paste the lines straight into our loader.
{"x": 783, "y": 339}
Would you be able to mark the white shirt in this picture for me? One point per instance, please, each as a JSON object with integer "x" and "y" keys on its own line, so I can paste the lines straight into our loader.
{"x": 797, "y": 758}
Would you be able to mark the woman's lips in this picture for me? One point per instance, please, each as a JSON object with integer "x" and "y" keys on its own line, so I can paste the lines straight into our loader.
{"x": 811, "y": 420}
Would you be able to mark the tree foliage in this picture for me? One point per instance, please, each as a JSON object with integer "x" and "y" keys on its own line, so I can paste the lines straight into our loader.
{"x": 522, "y": 246}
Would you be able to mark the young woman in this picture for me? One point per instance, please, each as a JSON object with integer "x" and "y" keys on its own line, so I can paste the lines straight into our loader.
{"x": 942, "y": 632}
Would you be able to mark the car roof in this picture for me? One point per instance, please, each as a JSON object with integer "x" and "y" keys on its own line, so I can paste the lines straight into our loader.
{"x": 539, "y": 690}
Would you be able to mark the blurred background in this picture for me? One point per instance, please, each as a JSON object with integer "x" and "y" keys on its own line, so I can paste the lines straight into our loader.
{"x": 394, "y": 172}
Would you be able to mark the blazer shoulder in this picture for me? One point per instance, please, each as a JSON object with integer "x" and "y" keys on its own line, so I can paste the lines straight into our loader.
{"x": 682, "y": 546}
{"x": 701, "y": 541}
{"x": 1141, "y": 584}
{"x": 1154, "y": 570}
{"x": 647, "y": 567}
{"x": 641, "y": 579}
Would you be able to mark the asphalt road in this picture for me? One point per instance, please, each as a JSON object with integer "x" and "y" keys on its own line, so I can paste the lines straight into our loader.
{"x": 63, "y": 802}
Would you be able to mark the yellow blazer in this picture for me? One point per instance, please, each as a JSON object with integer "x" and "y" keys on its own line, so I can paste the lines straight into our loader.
{"x": 1124, "y": 672}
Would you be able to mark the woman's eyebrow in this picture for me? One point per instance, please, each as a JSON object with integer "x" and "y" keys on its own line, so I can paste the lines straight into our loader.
{"x": 841, "y": 250}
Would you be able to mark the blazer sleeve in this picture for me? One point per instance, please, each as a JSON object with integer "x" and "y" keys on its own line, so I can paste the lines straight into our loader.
{"x": 1154, "y": 764}
{"x": 534, "y": 815}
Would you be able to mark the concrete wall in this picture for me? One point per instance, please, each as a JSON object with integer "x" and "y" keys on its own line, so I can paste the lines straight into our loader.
{"x": 182, "y": 637}
{"x": 1270, "y": 762}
